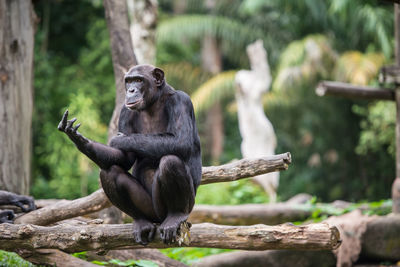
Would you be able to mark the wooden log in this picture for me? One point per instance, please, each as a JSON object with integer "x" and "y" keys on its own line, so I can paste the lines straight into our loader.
{"x": 150, "y": 254}
{"x": 245, "y": 168}
{"x": 66, "y": 209}
{"x": 249, "y": 214}
{"x": 97, "y": 201}
{"x": 277, "y": 258}
{"x": 55, "y": 257}
{"x": 70, "y": 238}
{"x": 381, "y": 240}
{"x": 352, "y": 91}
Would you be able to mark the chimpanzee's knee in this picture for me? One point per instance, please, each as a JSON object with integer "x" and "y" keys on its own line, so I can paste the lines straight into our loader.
{"x": 171, "y": 165}
{"x": 109, "y": 177}
{"x": 113, "y": 171}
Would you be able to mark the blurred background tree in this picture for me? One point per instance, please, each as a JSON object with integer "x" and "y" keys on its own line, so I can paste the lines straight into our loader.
{"x": 341, "y": 148}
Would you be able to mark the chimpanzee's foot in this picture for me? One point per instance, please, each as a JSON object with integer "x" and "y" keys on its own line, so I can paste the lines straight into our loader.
{"x": 170, "y": 227}
{"x": 6, "y": 216}
{"x": 143, "y": 231}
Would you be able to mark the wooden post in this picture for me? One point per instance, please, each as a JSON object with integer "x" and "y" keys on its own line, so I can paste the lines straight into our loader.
{"x": 396, "y": 183}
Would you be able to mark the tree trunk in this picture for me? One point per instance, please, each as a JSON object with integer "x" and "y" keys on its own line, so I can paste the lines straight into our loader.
{"x": 16, "y": 94}
{"x": 144, "y": 16}
{"x": 123, "y": 56}
{"x": 212, "y": 62}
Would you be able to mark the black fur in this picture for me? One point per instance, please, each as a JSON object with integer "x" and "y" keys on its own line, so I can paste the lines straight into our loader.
{"x": 26, "y": 204}
{"x": 158, "y": 139}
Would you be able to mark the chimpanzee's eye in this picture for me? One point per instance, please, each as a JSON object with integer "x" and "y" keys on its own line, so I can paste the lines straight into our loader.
{"x": 137, "y": 80}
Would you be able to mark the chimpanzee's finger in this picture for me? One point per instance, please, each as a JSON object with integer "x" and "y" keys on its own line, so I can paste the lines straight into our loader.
{"x": 10, "y": 214}
{"x": 70, "y": 123}
{"x": 21, "y": 205}
{"x": 76, "y": 127}
{"x": 63, "y": 122}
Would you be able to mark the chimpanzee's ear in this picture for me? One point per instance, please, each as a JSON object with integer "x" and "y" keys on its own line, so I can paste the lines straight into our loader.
{"x": 158, "y": 74}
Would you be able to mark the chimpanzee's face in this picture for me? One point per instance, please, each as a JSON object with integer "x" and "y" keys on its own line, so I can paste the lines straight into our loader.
{"x": 142, "y": 84}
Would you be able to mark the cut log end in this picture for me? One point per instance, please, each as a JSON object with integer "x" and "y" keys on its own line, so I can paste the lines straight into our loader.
{"x": 321, "y": 89}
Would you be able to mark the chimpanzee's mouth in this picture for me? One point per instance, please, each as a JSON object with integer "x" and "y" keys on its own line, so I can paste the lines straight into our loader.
{"x": 132, "y": 105}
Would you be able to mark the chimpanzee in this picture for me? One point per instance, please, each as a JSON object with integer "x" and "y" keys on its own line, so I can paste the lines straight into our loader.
{"x": 158, "y": 138}
{"x": 8, "y": 198}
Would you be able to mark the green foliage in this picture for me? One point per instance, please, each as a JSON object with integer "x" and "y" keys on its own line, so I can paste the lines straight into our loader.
{"x": 322, "y": 133}
{"x": 139, "y": 263}
{"x": 9, "y": 259}
{"x": 185, "y": 76}
{"x": 131, "y": 263}
{"x": 86, "y": 87}
{"x": 321, "y": 211}
{"x": 191, "y": 255}
{"x": 372, "y": 21}
{"x": 81, "y": 255}
{"x": 233, "y": 34}
{"x": 377, "y": 128}
{"x": 232, "y": 193}
{"x": 214, "y": 90}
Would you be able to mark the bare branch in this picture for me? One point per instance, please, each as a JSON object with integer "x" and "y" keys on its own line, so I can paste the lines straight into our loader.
{"x": 245, "y": 168}
{"x": 66, "y": 209}
{"x": 353, "y": 91}
{"x": 248, "y": 214}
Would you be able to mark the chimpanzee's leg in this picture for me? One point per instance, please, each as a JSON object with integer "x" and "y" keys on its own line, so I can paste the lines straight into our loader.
{"x": 127, "y": 194}
{"x": 173, "y": 195}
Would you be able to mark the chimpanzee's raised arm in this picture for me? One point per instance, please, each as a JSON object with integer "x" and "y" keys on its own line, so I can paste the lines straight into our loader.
{"x": 104, "y": 156}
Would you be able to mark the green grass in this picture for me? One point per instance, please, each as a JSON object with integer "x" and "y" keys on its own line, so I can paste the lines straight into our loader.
{"x": 11, "y": 259}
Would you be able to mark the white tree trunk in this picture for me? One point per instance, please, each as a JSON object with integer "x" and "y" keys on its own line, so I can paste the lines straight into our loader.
{"x": 143, "y": 15}
{"x": 16, "y": 94}
{"x": 258, "y": 136}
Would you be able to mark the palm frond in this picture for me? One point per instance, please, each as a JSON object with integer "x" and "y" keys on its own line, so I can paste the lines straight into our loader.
{"x": 194, "y": 27}
{"x": 304, "y": 60}
{"x": 215, "y": 89}
{"x": 185, "y": 76}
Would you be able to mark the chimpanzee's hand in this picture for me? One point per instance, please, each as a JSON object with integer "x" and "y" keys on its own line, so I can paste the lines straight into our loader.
{"x": 118, "y": 140}
{"x": 66, "y": 126}
{"x": 6, "y": 216}
{"x": 21, "y": 201}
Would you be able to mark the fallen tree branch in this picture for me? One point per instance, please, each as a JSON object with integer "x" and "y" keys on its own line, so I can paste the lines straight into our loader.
{"x": 272, "y": 213}
{"x": 71, "y": 238}
{"x": 66, "y": 209}
{"x": 248, "y": 214}
{"x": 54, "y": 257}
{"x": 379, "y": 243}
{"x": 96, "y": 201}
